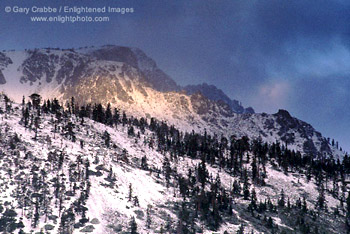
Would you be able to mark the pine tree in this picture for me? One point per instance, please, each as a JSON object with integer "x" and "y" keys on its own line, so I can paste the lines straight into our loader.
{"x": 347, "y": 222}
{"x": 253, "y": 200}
{"x": 124, "y": 119}
{"x": 87, "y": 170}
{"x": 133, "y": 226}
{"x": 36, "y": 125}
{"x": 136, "y": 201}
{"x": 321, "y": 198}
{"x": 36, "y": 214}
{"x": 269, "y": 222}
{"x": 26, "y": 117}
{"x": 144, "y": 164}
{"x": 241, "y": 229}
{"x": 116, "y": 116}
{"x": 202, "y": 173}
{"x": 131, "y": 131}
{"x": 166, "y": 170}
{"x": 107, "y": 138}
{"x": 245, "y": 185}
{"x": 72, "y": 104}
{"x": 109, "y": 117}
{"x": 130, "y": 192}
{"x": 110, "y": 173}
{"x": 254, "y": 168}
{"x": 216, "y": 218}
{"x": 270, "y": 205}
{"x": 36, "y": 99}
{"x": 288, "y": 203}
{"x": 183, "y": 217}
{"x": 236, "y": 188}
{"x": 168, "y": 225}
{"x": 148, "y": 217}
{"x": 183, "y": 186}
{"x": 262, "y": 206}
{"x": 304, "y": 206}
{"x": 335, "y": 189}
{"x": 281, "y": 201}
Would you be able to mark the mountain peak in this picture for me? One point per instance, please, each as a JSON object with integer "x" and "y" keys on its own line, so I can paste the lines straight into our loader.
{"x": 136, "y": 58}
{"x": 216, "y": 94}
{"x": 284, "y": 113}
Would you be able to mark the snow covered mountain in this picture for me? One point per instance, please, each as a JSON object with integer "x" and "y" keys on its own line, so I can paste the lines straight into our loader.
{"x": 128, "y": 79}
{"x": 167, "y": 160}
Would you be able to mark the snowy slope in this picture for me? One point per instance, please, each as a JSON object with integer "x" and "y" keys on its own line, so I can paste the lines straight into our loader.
{"x": 112, "y": 170}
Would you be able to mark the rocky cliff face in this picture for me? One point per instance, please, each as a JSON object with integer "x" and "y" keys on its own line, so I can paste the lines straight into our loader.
{"x": 215, "y": 94}
{"x": 137, "y": 59}
{"x": 4, "y": 62}
{"x": 131, "y": 81}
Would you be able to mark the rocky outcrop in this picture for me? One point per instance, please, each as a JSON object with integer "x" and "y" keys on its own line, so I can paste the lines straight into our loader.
{"x": 215, "y": 94}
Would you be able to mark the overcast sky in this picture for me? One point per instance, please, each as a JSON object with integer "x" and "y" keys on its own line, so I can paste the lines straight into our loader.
{"x": 293, "y": 55}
